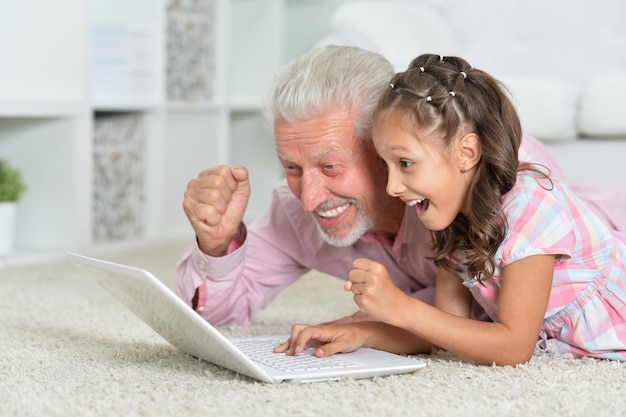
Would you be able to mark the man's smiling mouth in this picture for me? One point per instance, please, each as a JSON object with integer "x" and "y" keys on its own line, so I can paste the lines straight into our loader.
{"x": 333, "y": 212}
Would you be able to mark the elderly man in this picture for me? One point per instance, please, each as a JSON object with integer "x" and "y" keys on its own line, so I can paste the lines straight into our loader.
{"x": 330, "y": 209}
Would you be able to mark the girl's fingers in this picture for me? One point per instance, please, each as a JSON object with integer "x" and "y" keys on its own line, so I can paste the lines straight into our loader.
{"x": 364, "y": 264}
{"x": 288, "y": 345}
{"x": 283, "y": 347}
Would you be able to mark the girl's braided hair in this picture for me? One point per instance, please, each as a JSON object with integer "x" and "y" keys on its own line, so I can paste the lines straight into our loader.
{"x": 444, "y": 98}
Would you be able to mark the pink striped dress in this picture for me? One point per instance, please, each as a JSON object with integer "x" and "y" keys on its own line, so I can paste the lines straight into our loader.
{"x": 586, "y": 313}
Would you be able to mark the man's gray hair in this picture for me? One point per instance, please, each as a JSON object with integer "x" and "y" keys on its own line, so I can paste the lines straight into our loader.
{"x": 328, "y": 78}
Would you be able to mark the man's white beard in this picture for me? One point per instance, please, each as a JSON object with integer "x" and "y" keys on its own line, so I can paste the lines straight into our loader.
{"x": 361, "y": 225}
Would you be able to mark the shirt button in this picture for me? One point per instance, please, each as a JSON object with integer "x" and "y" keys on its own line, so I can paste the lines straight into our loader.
{"x": 202, "y": 264}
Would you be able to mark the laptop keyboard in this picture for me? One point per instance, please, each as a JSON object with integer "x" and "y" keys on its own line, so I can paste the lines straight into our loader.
{"x": 261, "y": 351}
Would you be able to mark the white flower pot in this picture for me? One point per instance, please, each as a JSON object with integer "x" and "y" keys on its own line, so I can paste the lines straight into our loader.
{"x": 8, "y": 212}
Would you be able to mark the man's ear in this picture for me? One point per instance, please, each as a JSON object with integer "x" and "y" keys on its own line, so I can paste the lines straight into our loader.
{"x": 470, "y": 151}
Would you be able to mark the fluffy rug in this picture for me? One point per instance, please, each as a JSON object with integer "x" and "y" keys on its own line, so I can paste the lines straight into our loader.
{"x": 69, "y": 349}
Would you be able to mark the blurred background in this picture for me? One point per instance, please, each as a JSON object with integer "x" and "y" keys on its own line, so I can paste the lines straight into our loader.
{"x": 109, "y": 107}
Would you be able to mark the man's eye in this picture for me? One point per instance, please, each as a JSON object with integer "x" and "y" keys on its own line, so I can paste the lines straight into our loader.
{"x": 329, "y": 166}
{"x": 405, "y": 164}
{"x": 291, "y": 169}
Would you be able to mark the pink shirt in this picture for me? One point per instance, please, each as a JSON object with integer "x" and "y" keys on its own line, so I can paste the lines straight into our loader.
{"x": 284, "y": 243}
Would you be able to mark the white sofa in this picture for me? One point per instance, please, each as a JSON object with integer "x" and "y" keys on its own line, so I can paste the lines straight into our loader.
{"x": 564, "y": 62}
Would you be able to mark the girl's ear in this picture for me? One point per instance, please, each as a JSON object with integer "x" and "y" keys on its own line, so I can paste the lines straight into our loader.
{"x": 470, "y": 151}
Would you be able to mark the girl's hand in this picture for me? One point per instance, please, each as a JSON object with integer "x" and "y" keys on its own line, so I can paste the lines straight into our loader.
{"x": 327, "y": 339}
{"x": 374, "y": 291}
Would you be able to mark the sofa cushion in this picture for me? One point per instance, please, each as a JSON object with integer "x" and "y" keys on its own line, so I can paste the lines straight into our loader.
{"x": 400, "y": 30}
{"x": 547, "y": 106}
{"x": 602, "y": 109}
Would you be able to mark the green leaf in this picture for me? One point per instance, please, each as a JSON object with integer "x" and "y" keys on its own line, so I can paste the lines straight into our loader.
{"x": 11, "y": 185}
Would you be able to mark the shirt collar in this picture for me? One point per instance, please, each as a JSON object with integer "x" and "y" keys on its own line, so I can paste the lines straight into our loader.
{"x": 406, "y": 234}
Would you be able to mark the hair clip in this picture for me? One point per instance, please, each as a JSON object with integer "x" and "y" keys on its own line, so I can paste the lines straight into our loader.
{"x": 463, "y": 74}
{"x": 441, "y": 58}
{"x": 422, "y": 69}
{"x": 429, "y": 98}
{"x": 452, "y": 93}
{"x": 392, "y": 86}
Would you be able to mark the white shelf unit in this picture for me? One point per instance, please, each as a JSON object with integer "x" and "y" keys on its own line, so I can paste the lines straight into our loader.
{"x": 264, "y": 35}
{"x": 68, "y": 62}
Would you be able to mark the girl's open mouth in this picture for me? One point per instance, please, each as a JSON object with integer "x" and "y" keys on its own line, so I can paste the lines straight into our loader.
{"x": 421, "y": 204}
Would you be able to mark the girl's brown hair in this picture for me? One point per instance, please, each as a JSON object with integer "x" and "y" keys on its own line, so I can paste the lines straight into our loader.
{"x": 445, "y": 97}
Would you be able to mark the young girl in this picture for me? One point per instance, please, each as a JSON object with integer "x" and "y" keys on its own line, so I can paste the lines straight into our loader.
{"x": 547, "y": 271}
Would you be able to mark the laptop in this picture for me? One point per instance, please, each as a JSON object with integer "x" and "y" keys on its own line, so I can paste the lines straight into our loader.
{"x": 161, "y": 309}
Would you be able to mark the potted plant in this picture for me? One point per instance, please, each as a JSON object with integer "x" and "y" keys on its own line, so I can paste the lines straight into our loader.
{"x": 11, "y": 190}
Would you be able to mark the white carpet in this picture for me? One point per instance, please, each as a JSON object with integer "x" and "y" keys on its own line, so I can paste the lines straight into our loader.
{"x": 68, "y": 349}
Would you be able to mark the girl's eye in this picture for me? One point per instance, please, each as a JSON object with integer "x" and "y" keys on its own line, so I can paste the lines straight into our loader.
{"x": 405, "y": 164}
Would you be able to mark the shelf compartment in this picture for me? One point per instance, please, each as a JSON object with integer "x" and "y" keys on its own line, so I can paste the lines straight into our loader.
{"x": 46, "y": 151}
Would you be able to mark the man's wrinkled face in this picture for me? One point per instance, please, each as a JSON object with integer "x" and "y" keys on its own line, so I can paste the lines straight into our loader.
{"x": 337, "y": 176}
